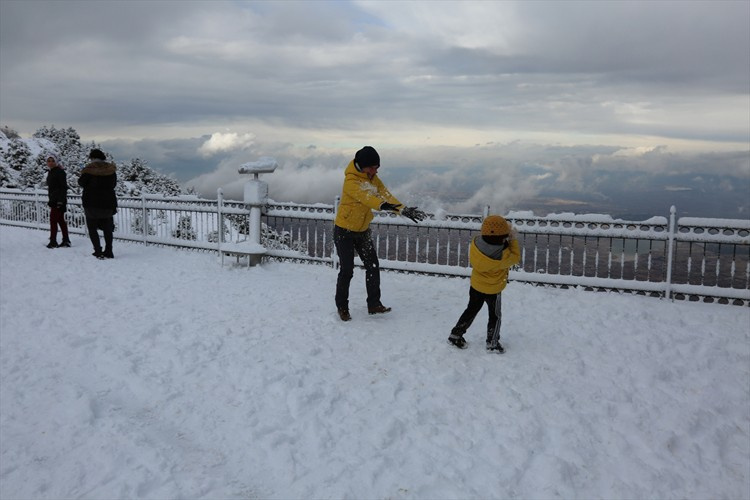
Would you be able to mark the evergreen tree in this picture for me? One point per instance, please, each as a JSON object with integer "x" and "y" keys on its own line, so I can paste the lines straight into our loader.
{"x": 17, "y": 154}
{"x": 239, "y": 222}
{"x": 184, "y": 229}
{"x": 72, "y": 155}
{"x": 137, "y": 177}
{"x": 283, "y": 240}
{"x": 134, "y": 178}
{"x": 213, "y": 236}
{"x": 34, "y": 173}
{"x": 5, "y": 178}
{"x": 136, "y": 224}
{"x": 9, "y": 132}
{"x": 269, "y": 237}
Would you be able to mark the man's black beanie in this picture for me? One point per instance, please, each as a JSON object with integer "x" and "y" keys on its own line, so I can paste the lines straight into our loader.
{"x": 367, "y": 157}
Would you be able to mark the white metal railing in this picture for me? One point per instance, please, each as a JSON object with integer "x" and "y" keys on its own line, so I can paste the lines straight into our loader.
{"x": 689, "y": 258}
{"x": 183, "y": 221}
{"x": 686, "y": 258}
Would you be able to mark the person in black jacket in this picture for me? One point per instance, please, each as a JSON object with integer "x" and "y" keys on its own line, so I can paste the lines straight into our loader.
{"x": 57, "y": 194}
{"x": 98, "y": 180}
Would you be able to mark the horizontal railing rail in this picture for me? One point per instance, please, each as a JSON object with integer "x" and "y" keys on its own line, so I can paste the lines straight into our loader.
{"x": 686, "y": 258}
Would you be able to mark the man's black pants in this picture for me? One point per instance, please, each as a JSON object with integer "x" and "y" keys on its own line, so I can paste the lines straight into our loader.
{"x": 347, "y": 242}
{"x": 107, "y": 225}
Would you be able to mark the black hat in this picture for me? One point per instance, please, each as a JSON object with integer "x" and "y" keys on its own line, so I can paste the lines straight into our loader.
{"x": 97, "y": 154}
{"x": 367, "y": 157}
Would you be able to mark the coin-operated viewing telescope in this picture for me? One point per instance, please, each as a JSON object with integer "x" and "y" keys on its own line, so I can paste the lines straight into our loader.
{"x": 256, "y": 196}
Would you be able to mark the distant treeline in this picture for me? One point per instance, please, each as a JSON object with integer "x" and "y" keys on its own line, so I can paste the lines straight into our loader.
{"x": 22, "y": 163}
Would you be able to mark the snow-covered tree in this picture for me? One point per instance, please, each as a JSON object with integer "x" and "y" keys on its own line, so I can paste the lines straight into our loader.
{"x": 239, "y": 222}
{"x": 5, "y": 179}
{"x": 283, "y": 240}
{"x": 213, "y": 236}
{"x": 9, "y": 132}
{"x": 269, "y": 237}
{"x": 34, "y": 173}
{"x": 16, "y": 154}
{"x": 184, "y": 229}
{"x": 136, "y": 224}
{"x": 137, "y": 177}
{"x": 134, "y": 178}
{"x": 71, "y": 154}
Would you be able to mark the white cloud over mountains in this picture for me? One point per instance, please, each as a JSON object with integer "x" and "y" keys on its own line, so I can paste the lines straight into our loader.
{"x": 223, "y": 142}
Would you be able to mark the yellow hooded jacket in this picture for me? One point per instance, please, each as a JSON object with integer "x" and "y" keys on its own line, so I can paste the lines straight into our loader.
{"x": 490, "y": 275}
{"x": 359, "y": 197}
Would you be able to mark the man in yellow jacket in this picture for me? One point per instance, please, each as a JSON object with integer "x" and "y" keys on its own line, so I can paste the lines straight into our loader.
{"x": 491, "y": 255}
{"x": 362, "y": 193}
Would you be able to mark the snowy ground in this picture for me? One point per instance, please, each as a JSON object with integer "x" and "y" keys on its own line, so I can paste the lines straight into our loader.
{"x": 160, "y": 374}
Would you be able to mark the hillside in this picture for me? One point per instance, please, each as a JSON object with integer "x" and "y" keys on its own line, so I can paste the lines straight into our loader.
{"x": 21, "y": 165}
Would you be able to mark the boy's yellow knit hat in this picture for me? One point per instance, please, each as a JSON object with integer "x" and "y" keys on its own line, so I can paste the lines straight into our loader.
{"x": 494, "y": 225}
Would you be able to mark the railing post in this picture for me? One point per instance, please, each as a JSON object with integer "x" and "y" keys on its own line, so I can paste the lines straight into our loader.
{"x": 334, "y": 255}
{"x": 144, "y": 221}
{"x": 219, "y": 203}
{"x": 37, "y": 209}
{"x": 670, "y": 251}
{"x": 485, "y": 212}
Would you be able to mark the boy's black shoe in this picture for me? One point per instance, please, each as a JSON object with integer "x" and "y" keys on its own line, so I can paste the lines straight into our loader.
{"x": 107, "y": 254}
{"x": 98, "y": 254}
{"x": 498, "y": 348}
{"x": 65, "y": 244}
{"x": 344, "y": 315}
{"x": 52, "y": 244}
{"x": 379, "y": 309}
{"x": 459, "y": 342}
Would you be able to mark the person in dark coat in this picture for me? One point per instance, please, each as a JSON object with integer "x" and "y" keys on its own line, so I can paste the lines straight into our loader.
{"x": 98, "y": 180}
{"x": 57, "y": 195}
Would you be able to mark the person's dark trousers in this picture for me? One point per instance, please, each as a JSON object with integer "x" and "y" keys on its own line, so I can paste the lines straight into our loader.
{"x": 107, "y": 225}
{"x": 347, "y": 242}
{"x": 57, "y": 218}
{"x": 476, "y": 301}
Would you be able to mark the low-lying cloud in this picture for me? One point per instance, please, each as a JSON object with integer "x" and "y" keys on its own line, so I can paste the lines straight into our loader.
{"x": 506, "y": 177}
{"x": 303, "y": 176}
{"x": 223, "y": 142}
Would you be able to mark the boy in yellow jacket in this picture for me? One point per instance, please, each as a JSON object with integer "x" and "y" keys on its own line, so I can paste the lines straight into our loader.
{"x": 362, "y": 193}
{"x": 491, "y": 255}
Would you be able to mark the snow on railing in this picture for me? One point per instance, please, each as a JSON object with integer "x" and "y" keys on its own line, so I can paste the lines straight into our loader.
{"x": 687, "y": 258}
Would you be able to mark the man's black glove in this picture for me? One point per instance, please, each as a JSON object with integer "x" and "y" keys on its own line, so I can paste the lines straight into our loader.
{"x": 391, "y": 207}
{"x": 414, "y": 214}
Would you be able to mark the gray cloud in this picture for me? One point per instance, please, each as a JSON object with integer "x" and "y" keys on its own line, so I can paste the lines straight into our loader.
{"x": 498, "y": 100}
{"x": 592, "y": 67}
{"x": 177, "y": 157}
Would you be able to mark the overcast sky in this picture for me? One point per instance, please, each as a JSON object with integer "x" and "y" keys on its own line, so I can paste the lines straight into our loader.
{"x": 199, "y": 87}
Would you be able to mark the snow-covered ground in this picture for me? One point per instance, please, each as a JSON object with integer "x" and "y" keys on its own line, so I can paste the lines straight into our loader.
{"x": 161, "y": 374}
